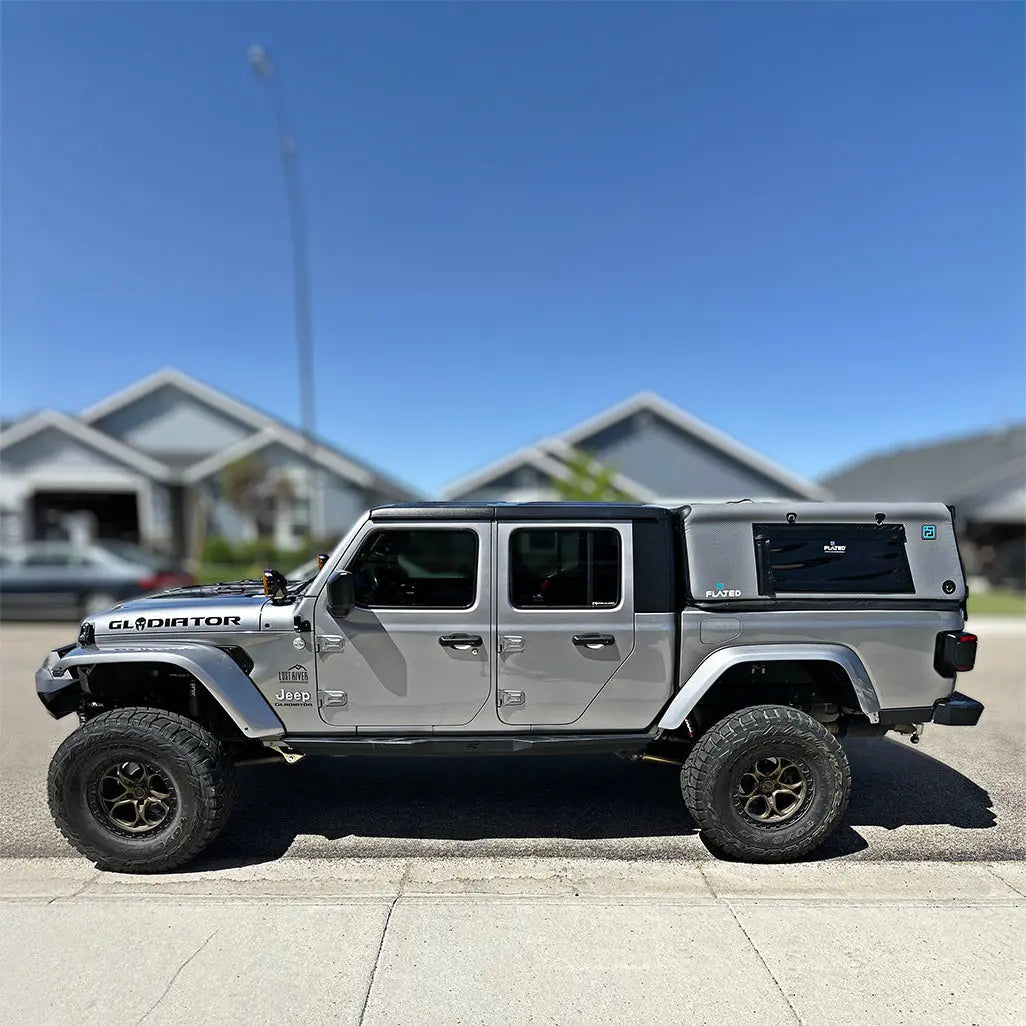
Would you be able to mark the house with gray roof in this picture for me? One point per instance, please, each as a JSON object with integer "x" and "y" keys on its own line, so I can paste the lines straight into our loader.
{"x": 146, "y": 465}
{"x": 660, "y": 454}
{"x": 983, "y": 475}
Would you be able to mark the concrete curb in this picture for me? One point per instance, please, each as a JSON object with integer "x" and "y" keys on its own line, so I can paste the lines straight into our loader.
{"x": 318, "y": 880}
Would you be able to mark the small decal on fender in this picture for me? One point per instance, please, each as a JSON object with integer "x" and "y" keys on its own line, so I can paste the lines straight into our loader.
{"x": 284, "y": 697}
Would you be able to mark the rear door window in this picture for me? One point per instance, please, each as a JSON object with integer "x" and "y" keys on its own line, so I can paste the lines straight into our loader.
{"x": 860, "y": 559}
{"x": 564, "y": 568}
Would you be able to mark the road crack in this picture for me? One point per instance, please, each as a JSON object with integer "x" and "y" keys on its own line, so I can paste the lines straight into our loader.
{"x": 997, "y": 876}
{"x": 77, "y": 892}
{"x": 171, "y": 982}
{"x": 758, "y": 954}
{"x": 381, "y": 941}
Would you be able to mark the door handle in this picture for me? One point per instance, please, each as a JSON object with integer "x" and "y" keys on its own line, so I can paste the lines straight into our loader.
{"x": 461, "y": 642}
{"x": 593, "y": 640}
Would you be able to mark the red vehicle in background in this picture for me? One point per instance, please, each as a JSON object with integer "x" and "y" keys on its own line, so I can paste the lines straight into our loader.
{"x": 51, "y": 580}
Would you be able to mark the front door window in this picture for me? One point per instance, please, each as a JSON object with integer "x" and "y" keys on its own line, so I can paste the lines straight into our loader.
{"x": 416, "y": 568}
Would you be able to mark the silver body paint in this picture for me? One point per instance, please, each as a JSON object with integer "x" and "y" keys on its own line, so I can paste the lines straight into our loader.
{"x": 709, "y": 670}
{"x": 383, "y": 671}
{"x": 215, "y": 670}
{"x": 893, "y": 647}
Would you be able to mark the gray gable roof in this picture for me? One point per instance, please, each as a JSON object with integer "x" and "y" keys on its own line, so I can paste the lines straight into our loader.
{"x": 255, "y": 429}
{"x": 948, "y": 471}
{"x": 660, "y": 451}
{"x": 28, "y": 430}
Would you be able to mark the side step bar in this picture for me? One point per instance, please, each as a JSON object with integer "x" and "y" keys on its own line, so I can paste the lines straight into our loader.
{"x": 470, "y": 744}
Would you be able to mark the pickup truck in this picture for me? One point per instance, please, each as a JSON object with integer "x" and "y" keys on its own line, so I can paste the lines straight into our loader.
{"x": 741, "y": 640}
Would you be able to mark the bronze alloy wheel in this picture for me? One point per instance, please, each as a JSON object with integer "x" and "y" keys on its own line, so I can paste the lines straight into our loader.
{"x": 773, "y": 789}
{"x": 140, "y": 790}
{"x": 767, "y": 783}
{"x": 134, "y": 797}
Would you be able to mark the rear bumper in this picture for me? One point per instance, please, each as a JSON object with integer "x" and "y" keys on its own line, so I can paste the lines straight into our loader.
{"x": 957, "y": 710}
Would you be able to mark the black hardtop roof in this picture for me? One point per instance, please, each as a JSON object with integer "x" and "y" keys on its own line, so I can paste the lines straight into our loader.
{"x": 520, "y": 511}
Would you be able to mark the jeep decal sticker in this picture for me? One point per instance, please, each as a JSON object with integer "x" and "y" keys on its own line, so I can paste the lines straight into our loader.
{"x": 284, "y": 697}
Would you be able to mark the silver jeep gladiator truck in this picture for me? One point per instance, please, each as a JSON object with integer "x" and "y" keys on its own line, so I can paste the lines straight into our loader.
{"x": 740, "y": 640}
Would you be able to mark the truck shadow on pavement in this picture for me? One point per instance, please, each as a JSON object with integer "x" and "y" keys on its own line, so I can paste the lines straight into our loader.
{"x": 597, "y": 806}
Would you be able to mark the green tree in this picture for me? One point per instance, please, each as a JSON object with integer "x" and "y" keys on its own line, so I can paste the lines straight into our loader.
{"x": 589, "y": 480}
{"x": 241, "y": 483}
{"x": 252, "y": 488}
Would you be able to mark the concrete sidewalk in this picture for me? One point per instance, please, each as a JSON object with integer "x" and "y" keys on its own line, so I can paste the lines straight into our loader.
{"x": 515, "y": 941}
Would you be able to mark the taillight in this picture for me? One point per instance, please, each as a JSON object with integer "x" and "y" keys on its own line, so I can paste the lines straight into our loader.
{"x": 956, "y": 653}
{"x": 965, "y": 652}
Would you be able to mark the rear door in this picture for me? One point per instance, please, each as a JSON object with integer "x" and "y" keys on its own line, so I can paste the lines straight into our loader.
{"x": 565, "y": 616}
{"x": 416, "y": 651}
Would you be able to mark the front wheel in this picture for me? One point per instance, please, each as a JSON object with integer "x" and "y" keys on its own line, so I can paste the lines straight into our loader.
{"x": 140, "y": 790}
{"x": 766, "y": 784}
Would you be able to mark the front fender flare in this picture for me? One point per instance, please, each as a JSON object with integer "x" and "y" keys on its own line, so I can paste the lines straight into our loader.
{"x": 712, "y": 667}
{"x": 217, "y": 672}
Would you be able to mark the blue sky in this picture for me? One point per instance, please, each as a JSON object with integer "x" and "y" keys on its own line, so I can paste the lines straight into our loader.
{"x": 803, "y": 224}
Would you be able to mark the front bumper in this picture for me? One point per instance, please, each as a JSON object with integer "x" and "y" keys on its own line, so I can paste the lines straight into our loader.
{"x": 58, "y": 690}
{"x": 957, "y": 710}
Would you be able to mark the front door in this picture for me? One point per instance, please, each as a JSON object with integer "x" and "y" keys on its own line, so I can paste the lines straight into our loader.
{"x": 416, "y": 651}
{"x": 565, "y": 617}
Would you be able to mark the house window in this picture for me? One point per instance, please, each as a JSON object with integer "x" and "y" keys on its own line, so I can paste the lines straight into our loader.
{"x": 564, "y": 568}
{"x": 860, "y": 559}
{"x": 301, "y": 516}
{"x": 431, "y": 568}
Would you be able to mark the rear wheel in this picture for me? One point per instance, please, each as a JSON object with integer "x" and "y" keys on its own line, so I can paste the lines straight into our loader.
{"x": 141, "y": 790}
{"x": 766, "y": 784}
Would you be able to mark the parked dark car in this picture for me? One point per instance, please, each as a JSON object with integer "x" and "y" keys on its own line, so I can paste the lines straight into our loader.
{"x": 52, "y": 580}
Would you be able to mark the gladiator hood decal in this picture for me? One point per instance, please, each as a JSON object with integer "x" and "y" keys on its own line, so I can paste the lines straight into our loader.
{"x": 179, "y": 614}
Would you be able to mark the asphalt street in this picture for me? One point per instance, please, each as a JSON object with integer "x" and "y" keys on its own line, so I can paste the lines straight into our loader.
{"x": 957, "y": 796}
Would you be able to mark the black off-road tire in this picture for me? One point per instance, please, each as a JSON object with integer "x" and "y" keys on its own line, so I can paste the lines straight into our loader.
{"x": 714, "y": 781}
{"x": 189, "y": 758}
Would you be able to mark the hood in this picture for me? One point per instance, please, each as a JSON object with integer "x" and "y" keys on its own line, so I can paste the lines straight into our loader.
{"x": 183, "y": 611}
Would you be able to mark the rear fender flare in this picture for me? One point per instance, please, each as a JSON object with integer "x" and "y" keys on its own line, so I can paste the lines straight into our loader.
{"x": 217, "y": 672}
{"x": 712, "y": 668}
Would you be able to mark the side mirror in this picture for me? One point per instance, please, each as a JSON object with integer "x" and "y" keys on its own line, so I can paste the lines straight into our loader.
{"x": 341, "y": 597}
